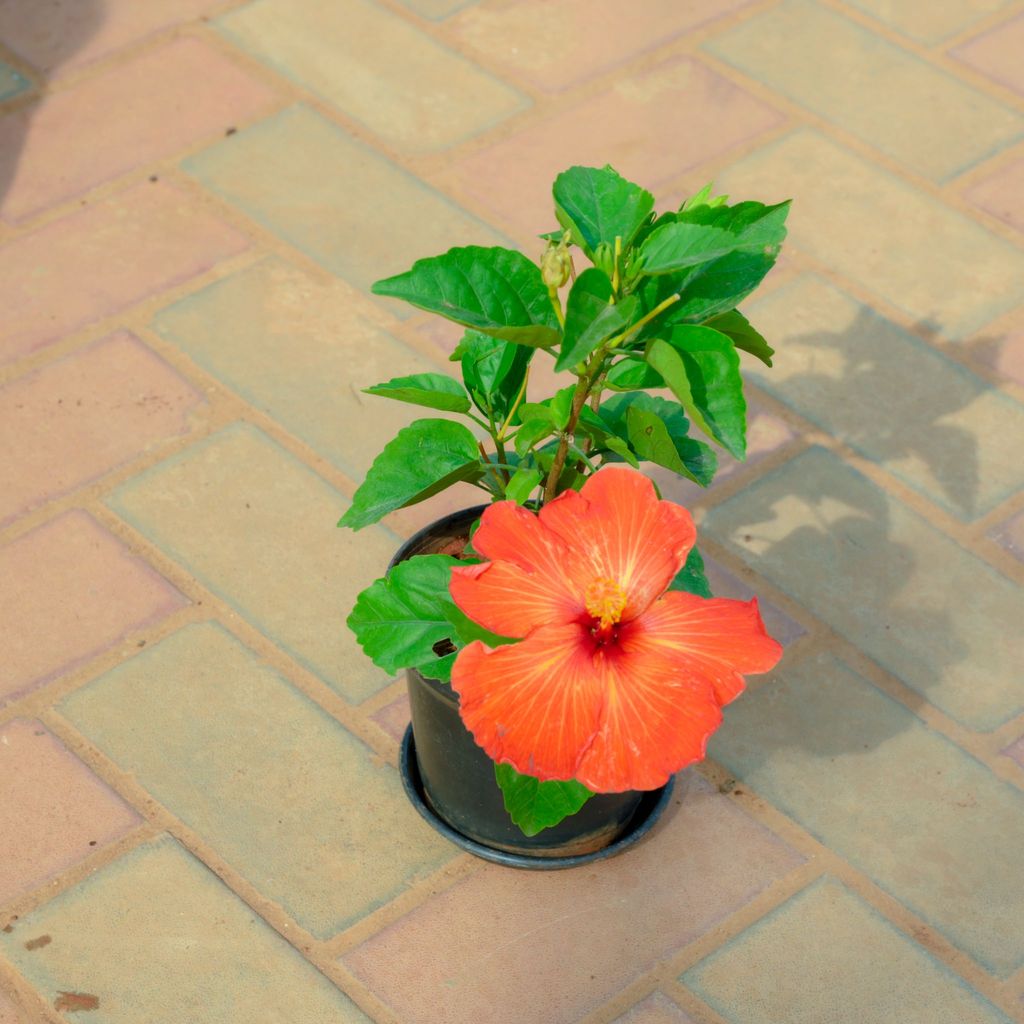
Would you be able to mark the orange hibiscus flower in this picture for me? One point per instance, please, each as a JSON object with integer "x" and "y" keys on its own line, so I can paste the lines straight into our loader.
{"x": 615, "y": 682}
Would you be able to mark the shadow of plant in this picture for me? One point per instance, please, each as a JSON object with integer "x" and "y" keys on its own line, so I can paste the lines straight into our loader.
{"x": 53, "y": 31}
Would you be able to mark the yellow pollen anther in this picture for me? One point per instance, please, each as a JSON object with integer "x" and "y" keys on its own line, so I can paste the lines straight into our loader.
{"x": 606, "y": 601}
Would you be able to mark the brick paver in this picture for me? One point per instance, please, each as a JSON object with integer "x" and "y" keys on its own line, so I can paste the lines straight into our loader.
{"x": 81, "y": 416}
{"x": 53, "y": 811}
{"x": 94, "y": 263}
{"x": 143, "y": 110}
{"x": 200, "y": 816}
{"x": 70, "y": 591}
{"x": 864, "y": 970}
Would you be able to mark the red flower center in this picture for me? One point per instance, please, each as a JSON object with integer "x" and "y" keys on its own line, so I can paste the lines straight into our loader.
{"x": 605, "y": 602}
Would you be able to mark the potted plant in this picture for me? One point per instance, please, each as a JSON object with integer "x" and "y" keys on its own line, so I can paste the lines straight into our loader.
{"x": 564, "y": 654}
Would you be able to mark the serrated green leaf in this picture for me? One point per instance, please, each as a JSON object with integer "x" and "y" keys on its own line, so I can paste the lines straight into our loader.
{"x": 633, "y": 375}
{"x": 521, "y": 486}
{"x": 701, "y": 368}
{"x": 494, "y": 371}
{"x": 736, "y": 326}
{"x": 493, "y": 290}
{"x": 425, "y": 457}
{"x": 397, "y": 620}
{"x": 691, "y": 577}
{"x": 589, "y": 319}
{"x": 597, "y": 205}
{"x": 434, "y": 390}
{"x": 698, "y": 460}
{"x": 754, "y": 225}
{"x": 532, "y": 431}
{"x": 534, "y": 805}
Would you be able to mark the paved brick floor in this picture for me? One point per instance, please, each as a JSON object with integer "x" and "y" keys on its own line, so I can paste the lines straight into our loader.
{"x": 200, "y": 817}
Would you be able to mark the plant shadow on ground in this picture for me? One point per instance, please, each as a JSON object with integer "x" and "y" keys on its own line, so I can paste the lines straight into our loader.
{"x": 69, "y": 25}
{"x": 836, "y": 543}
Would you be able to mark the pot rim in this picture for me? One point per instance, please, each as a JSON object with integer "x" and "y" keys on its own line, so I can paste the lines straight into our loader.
{"x": 649, "y": 810}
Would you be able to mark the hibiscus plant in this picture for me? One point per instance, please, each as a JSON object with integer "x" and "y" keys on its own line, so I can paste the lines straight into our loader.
{"x": 577, "y": 626}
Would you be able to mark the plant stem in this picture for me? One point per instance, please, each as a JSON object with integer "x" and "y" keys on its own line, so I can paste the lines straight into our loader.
{"x": 633, "y": 328}
{"x": 579, "y": 399}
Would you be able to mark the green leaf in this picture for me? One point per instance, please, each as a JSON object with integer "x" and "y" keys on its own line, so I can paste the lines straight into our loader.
{"x": 589, "y": 319}
{"x": 397, "y": 620}
{"x": 523, "y": 481}
{"x": 702, "y": 369}
{"x": 691, "y": 577}
{"x": 532, "y": 431}
{"x": 633, "y": 375}
{"x": 736, "y": 326}
{"x": 561, "y": 406}
{"x": 679, "y": 245}
{"x": 494, "y": 290}
{"x": 493, "y": 371}
{"x": 534, "y": 805}
{"x": 435, "y": 390}
{"x": 425, "y": 457}
{"x": 667, "y": 441}
{"x": 720, "y": 286}
{"x": 591, "y": 425}
{"x": 754, "y": 225}
{"x": 703, "y": 198}
{"x": 597, "y": 205}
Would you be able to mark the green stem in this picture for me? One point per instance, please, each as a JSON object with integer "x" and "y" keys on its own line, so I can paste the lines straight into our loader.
{"x": 613, "y": 343}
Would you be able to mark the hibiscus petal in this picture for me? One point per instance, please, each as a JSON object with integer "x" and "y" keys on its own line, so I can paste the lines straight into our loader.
{"x": 535, "y": 705}
{"x": 625, "y": 533}
{"x": 656, "y": 721}
{"x": 508, "y": 600}
{"x": 510, "y": 533}
{"x": 717, "y": 639}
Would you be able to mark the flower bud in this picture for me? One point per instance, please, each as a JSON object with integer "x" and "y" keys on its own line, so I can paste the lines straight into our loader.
{"x": 556, "y": 264}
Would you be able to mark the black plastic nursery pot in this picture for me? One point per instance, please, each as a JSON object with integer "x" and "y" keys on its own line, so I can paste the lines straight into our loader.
{"x": 450, "y": 780}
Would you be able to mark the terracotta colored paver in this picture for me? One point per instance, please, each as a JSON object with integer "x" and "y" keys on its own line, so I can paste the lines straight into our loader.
{"x": 1011, "y": 535}
{"x": 555, "y": 46}
{"x": 69, "y": 590}
{"x": 65, "y": 34}
{"x": 1000, "y": 194}
{"x": 143, "y": 110}
{"x": 655, "y": 1009}
{"x": 8, "y": 1012}
{"x": 83, "y": 415}
{"x": 846, "y": 73}
{"x": 53, "y": 811}
{"x": 463, "y": 955}
{"x": 330, "y": 839}
{"x": 96, "y": 262}
{"x": 996, "y": 53}
{"x": 626, "y": 126}
{"x": 831, "y": 957}
{"x": 377, "y": 68}
{"x": 155, "y": 936}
